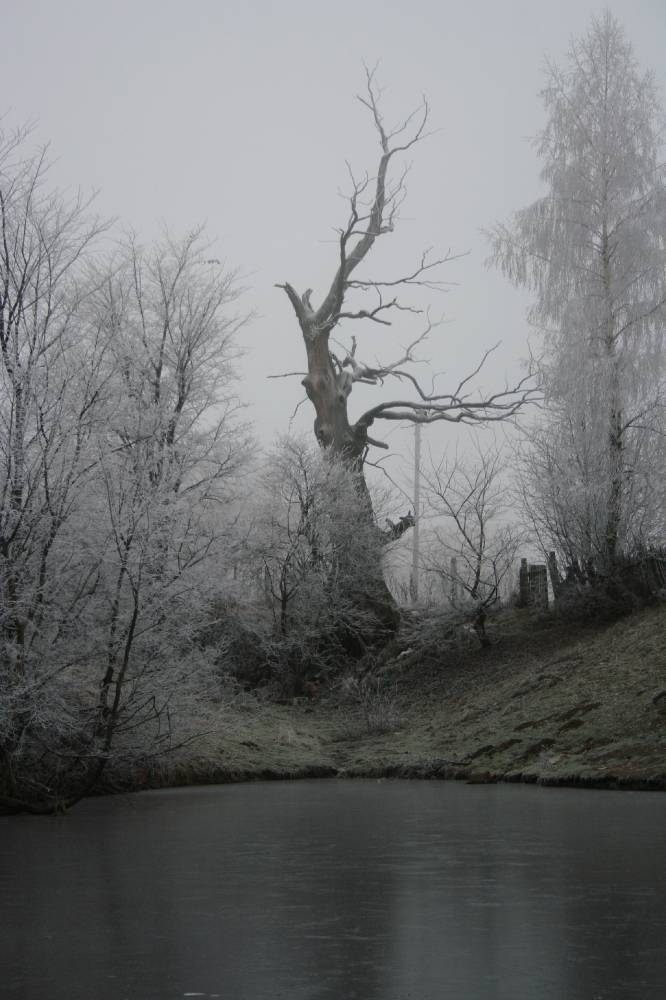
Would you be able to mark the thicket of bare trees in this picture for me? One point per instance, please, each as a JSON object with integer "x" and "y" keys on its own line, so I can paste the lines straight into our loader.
{"x": 118, "y": 439}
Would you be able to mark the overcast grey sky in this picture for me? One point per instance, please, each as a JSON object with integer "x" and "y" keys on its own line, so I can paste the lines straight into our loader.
{"x": 241, "y": 115}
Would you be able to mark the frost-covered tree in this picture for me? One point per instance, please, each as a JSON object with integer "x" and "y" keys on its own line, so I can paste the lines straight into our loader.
{"x": 51, "y": 381}
{"x": 118, "y": 441}
{"x": 171, "y": 310}
{"x": 168, "y": 457}
{"x": 313, "y": 549}
{"x": 593, "y": 250}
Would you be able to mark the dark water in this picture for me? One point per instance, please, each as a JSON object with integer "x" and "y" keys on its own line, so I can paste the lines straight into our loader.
{"x": 313, "y": 890}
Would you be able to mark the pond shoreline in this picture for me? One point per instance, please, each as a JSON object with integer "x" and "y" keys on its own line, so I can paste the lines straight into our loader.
{"x": 425, "y": 772}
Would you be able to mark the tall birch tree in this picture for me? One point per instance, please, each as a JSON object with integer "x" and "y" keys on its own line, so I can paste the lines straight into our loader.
{"x": 593, "y": 251}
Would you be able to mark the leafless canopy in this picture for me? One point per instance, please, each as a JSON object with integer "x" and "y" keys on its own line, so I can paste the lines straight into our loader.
{"x": 374, "y": 205}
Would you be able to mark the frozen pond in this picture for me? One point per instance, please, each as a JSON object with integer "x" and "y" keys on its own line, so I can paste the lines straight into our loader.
{"x": 340, "y": 890}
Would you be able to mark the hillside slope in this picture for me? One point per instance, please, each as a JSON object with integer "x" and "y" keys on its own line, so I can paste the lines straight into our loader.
{"x": 548, "y": 702}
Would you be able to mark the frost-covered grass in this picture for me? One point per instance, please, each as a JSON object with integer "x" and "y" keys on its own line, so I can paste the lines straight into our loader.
{"x": 546, "y": 702}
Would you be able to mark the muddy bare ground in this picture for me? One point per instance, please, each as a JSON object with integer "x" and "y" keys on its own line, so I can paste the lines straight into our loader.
{"x": 549, "y": 702}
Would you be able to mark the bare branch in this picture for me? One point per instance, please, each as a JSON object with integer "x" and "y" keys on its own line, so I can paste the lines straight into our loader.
{"x": 415, "y": 277}
{"x": 371, "y": 376}
{"x": 297, "y": 408}
{"x": 456, "y": 407}
{"x": 382, "y": 213}
{"x": 301, "y": 305}
{"x": 376, "y": 444}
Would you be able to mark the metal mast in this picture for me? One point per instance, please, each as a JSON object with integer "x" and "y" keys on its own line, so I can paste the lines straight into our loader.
{"x": 416, "y": 554}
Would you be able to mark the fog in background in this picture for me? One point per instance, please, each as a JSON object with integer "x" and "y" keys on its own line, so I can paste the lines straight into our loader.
{"x": 241, "y": 115}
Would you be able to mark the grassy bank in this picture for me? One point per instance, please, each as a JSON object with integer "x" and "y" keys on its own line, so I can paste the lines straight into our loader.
{"x": 548, "y": 702}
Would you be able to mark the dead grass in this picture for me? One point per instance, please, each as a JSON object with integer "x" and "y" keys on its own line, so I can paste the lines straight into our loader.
{"x": 547, "y": 702}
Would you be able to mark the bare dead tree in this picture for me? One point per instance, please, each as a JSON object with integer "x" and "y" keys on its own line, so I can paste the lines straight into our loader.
{"x": 374, "y": 205}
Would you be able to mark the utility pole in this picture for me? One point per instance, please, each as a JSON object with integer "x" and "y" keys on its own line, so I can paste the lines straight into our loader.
{"x": 414, "y": 578}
